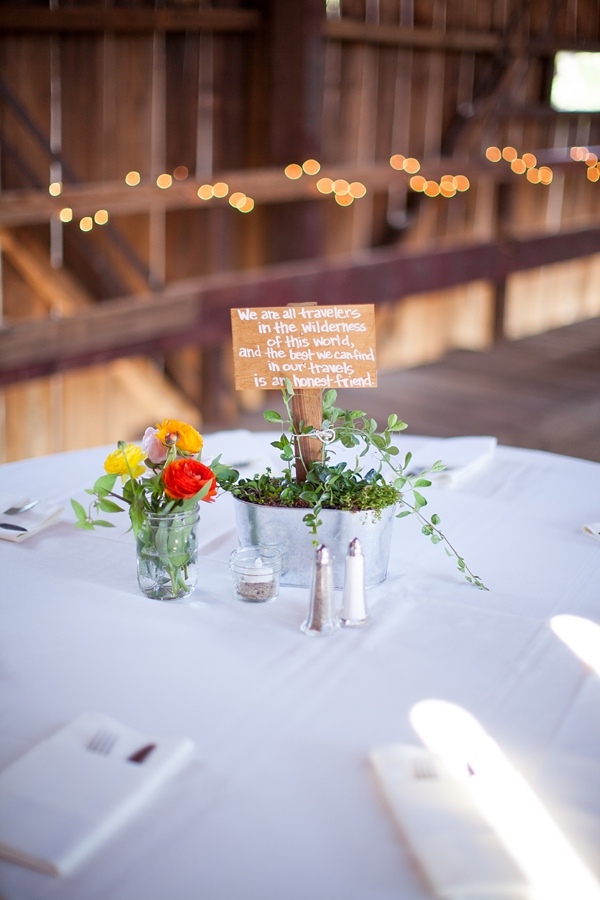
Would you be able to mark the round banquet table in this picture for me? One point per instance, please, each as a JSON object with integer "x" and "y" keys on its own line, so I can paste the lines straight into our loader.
{"x": 279, "y": 800}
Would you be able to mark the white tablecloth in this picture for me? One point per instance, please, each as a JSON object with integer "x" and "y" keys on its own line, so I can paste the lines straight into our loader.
{"x": 279, "y": 802}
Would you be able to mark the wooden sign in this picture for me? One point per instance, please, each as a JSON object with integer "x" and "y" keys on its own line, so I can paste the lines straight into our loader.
{"x": 316, "y": 347}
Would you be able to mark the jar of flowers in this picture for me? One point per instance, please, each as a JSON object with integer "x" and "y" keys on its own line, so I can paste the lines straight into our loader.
{"x": 162, "y": 483}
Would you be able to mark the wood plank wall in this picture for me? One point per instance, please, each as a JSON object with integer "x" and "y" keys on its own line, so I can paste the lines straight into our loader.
{"x": 195, "y": 90}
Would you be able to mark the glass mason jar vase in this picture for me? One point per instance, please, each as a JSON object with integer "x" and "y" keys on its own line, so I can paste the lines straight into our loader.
{"x": 167, "y": 555}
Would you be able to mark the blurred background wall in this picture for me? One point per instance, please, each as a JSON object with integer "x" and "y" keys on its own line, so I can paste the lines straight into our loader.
{"x": 161, "y": 162}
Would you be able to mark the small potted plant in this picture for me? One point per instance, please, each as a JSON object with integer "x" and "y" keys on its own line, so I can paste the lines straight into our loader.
{"x": 318, "y": 500}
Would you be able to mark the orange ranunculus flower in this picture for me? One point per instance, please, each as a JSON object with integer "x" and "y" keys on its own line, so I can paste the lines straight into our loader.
{"x": 126, "y": 458}
{"x": 183, "y": 478}
{"x": 173, "y": 432}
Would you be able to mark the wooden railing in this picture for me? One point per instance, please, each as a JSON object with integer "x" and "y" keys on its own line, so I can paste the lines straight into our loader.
{"x": 197, "y": 312}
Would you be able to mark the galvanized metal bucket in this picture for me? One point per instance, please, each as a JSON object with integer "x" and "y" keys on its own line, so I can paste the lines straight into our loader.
{"x": 284, "y": 528}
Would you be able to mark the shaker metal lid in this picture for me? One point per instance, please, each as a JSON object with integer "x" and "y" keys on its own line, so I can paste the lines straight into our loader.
{"x": 323, "y": 555}
{"x": 355, "y": 548}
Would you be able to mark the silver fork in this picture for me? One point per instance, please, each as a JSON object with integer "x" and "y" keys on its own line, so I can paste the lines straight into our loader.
{"x": 101, "y": 742}
{"x": 13, "y": 510}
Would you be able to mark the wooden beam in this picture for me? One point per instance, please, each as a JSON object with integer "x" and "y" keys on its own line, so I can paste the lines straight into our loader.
{"x": 267, "y": 185}
{"x": 36, "y": 19}
{"x": 353, "y": 30}
{"x": 197, "y": 311}
{"x": 60, "y": 292}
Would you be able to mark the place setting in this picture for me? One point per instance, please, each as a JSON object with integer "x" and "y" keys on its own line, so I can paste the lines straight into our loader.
{"x": 22, "y": 517}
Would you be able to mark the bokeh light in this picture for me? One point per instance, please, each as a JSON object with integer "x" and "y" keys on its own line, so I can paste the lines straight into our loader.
{"x": 357, "y": 189}
{"x": 418, "y": 183}
{"x": 311, "y": 167}
{"x": 431, "y": 189}
{"x": 220, "y": 189}
{"x": 237, "y": 199}
{"x": 325, "y": 185}
{"x": 411, "y": 165}
{"x": 494, "y": 154}
{"x": 293, "y": 171}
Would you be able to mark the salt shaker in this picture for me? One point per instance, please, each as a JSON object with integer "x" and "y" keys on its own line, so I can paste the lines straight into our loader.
{"x": 322, "y": 618}
{"x": 354, "y": 603}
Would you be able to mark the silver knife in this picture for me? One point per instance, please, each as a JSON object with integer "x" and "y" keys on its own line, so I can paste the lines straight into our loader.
{"x": 11, "y": 527}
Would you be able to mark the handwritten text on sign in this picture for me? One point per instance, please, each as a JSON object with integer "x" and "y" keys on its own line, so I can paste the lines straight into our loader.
{"x": 313, "y": 346}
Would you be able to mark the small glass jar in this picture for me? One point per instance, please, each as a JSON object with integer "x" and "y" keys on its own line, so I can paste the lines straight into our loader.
{"x": 167, "y": 555}
{"x": 256, "y": 571}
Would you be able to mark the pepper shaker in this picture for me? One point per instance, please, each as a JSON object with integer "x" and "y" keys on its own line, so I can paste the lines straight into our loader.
{"x": 354, "y": 602}
{"x": 322, "y": 618}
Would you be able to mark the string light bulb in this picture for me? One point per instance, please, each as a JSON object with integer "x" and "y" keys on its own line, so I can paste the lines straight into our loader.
{"x": 311, "y": 167}
{"x": 293, "y": 171}
{"x": 220, "y": 189}
{"x": 325, "y": 185}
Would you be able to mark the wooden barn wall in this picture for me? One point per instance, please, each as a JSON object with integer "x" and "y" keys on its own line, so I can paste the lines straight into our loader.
{"x": 341, "y": 81}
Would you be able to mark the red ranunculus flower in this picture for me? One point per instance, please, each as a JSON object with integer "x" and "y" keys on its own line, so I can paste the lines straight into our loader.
{"x": 183, "y": 478}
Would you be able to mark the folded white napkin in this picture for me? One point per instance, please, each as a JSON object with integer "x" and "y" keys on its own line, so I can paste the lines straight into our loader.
{"x": 25, "y": 524}
{"x": 61, "y": 801}
{"x": 462, "y": 456}
{"x": 593, "y": 530}
{"x": 458, "y": 851}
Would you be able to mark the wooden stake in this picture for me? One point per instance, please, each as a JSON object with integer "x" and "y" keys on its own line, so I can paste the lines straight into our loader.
{"x": 307, "y": 409}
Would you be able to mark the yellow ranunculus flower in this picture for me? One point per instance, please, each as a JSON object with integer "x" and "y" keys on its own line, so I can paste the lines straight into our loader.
{"x": 173, "y": 432}
{"x": 116, "y": 463}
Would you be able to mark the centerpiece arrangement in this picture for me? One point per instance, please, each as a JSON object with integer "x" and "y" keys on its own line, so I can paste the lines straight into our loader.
{"x": 163, "y": 482}
{"x": 363, "y": 496}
